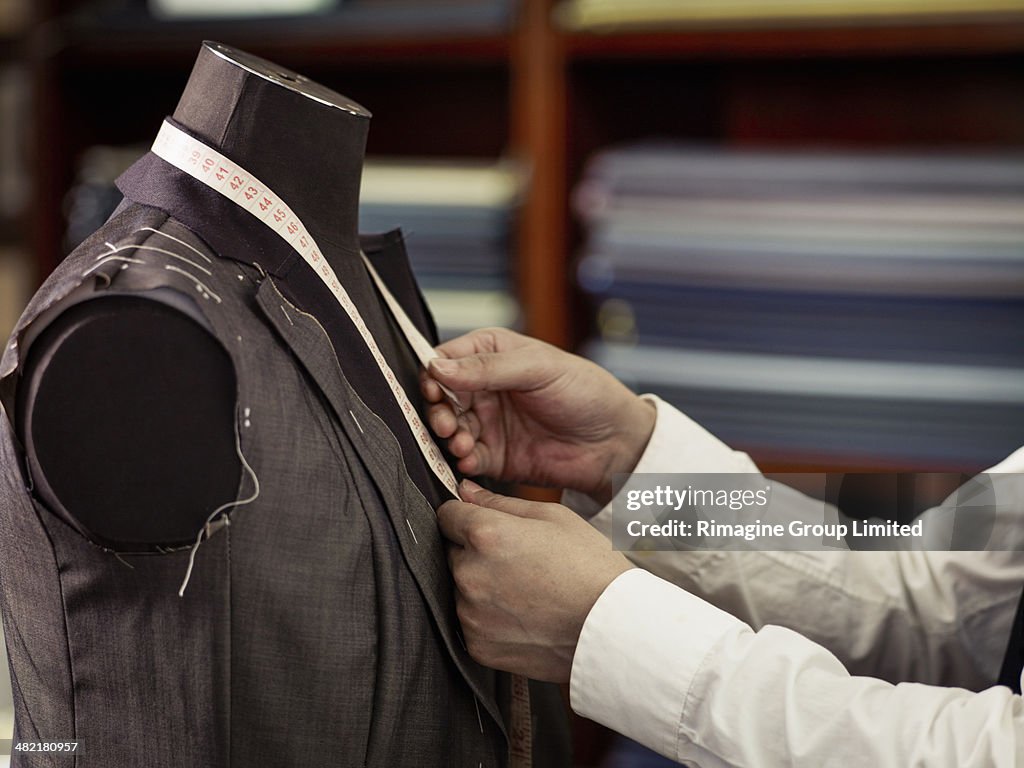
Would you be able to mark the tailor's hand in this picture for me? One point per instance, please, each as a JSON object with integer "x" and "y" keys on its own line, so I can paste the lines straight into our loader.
{"x": 526, "y": 576}
{"x": 535, "y": 414}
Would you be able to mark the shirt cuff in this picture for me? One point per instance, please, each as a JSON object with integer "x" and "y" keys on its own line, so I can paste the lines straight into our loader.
{"x": 641, "y": 647}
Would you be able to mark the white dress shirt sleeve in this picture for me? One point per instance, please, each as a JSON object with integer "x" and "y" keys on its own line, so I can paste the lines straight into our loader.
{"x": 668, "y": 668}
{"x": 697, "y": 685}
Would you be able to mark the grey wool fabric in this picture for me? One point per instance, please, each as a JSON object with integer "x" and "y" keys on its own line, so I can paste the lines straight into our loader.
{"x": 317, "y": 628}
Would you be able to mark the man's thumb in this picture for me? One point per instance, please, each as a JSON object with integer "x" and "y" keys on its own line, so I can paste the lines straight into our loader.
{"x": 474, "y": 494}
{"x": 486, "y": 371}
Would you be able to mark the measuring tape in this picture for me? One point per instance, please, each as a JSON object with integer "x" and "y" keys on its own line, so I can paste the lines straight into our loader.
{"x": 238, "y": 185}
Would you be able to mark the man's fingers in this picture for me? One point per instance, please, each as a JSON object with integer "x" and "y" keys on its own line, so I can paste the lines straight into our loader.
{"x": 480, "y": 461}
{"x": 481, "y": 497}
{"x": 469, "y": 422}
{"x": 430, "y": 389}
{"x": 456, "y": 558}
{"x": 461, "y": 444}
{"x": 455, "y": 518}
{"x": 470, "y": 526}
{"x": 442, "y": 420}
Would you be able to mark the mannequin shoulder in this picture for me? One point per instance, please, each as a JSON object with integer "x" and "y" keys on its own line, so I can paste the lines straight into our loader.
{"x": 126, "y": 409}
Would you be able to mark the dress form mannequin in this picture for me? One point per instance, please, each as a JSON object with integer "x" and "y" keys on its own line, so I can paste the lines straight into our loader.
{"x": 307, "y": 143}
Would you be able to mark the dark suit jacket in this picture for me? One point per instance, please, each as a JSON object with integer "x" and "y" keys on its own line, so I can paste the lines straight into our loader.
{"x": 318, "y": 626}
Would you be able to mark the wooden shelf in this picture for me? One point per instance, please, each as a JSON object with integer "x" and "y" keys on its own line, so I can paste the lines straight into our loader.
{"x": 863, "y": 40}
{"x": 343, "y": 37}
{"x": 175, "y": 45}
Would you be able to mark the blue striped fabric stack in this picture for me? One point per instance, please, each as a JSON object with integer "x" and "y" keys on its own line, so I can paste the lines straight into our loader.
{"x": 838, "y": 308}
{"x": 457, "y": 220}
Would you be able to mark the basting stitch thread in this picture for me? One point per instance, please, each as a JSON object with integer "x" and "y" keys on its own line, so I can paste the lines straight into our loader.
{"x": 361, "y": 430}
{"x": 479, "y": 720}
{"x": 206, "y": 526}
{"x": 111, "y": 255}
{"x": 205, "y": 291}
{"x": 415, "y": 540}
{"x": 164, "y": 251}
{"x": 180, "y": 242}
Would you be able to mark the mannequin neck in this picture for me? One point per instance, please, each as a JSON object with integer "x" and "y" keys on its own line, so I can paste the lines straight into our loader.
{"x": 302, "y": 140}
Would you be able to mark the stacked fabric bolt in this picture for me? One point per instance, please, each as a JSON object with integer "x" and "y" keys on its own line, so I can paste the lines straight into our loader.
{"x": 613, "y": 15}
{"x": 358, "y": 17}
{"x": 457, "y": 220}
{"x": 849, "y": 307}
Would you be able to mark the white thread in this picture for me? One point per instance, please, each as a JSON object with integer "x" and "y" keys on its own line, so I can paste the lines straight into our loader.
{"x": 287, "y": 315}
{"x": 153, "y": 248}
{"x": 479, "y": 720}
{"x": 123, "y": 561}
{"x": 356, "y": 421}
{"x": 218, "y": 510}
{"x": 99, "y": 264}
{"x": 195, "y": 250}
{"x": 247, "y": 412}
{"x": 199, "y": 284}
{"x": 415, "y": 540}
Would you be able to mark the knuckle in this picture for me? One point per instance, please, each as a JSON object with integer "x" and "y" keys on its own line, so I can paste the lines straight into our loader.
{"x": 479, "y": 648}
{"x": 491, "y": 338}
{"x": 483, "y": 537}
{"x": 446, "y": 509}
{"x": 467, "y": 616}
{"x": 463, "y": 582}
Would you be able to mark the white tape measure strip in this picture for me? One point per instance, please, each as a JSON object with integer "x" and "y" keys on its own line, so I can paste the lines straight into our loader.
{"x": 241, "y": 187}
{"x": 423, "y": 348}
